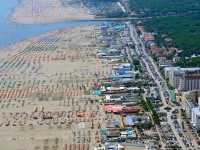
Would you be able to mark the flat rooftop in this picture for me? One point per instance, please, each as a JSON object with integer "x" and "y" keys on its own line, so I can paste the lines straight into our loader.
{"x": 196, "y": 110}
{"x": 192, "y": 102}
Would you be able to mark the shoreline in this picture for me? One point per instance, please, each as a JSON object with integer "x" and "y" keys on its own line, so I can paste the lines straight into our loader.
{"x": 26, "y": 29}
{"x": 40, "y": 12}
{"x": 80, "y": 20}
{"x": 7, "y": 18}
{"x": 36, "y": 37}
{"x": 51, "y": 73}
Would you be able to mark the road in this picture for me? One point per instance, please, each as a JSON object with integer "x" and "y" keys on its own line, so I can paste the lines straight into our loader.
{"x": 155, "y": 74}
{"x": 121, "y": 6}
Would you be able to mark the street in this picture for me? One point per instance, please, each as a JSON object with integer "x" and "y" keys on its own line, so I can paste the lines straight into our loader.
{"x": 152, "y": 69}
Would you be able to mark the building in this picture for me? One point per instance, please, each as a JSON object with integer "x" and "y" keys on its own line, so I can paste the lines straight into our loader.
{"x": 189, "y": 104}
{"x": 119, "y": 109}
{"x": 122, "y": 146}
{"x": 122, "y": 66}
{"x": 184, "y": 79}
{"x": 189, "y": 95}
{"x": 141, "y": 28}
{"x": 113, "y": 98}
{"x": 174, "y": 76}
{"x": 126, "y": 66}
{"x": 167, "y": 71}
{"x": 131, "y": 120}
{"x": 164, "y": 63}
{"x": 189, "y": 82}
{"x": 196, "y": 117}
{"x": 124, "y": 74}
{"x": 176, "y": 59}
{"x": 149, "y": 37}
{"x": 119, "y": 73}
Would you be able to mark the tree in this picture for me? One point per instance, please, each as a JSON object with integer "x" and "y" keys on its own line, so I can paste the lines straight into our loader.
{"x": 139, "y": 120}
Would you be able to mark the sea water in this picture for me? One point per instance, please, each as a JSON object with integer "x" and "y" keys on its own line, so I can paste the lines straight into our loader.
{"x": 12, "y": 33}
{"x": 6, "y": 7}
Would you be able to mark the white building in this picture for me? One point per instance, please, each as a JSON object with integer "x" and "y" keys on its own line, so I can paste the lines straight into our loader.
{"x": 168, "y": 71}
{"x": 196, "y": 117}
{"x": 113, "y": 98}
{"x": 174, "y": 76}
{"x": 108, "y": 146}
{"x": 189, "y": 104}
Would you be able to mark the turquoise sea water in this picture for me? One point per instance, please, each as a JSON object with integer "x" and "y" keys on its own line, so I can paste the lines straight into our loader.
{"x": 12, "y": 33}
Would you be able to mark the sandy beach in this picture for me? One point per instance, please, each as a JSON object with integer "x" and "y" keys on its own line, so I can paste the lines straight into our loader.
{"x": 45, "y": 85}
{"x": 48, "y": 11}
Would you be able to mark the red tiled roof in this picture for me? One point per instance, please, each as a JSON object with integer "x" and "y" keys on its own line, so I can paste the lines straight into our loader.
{"x": 141, "y": 28}
{"x": 149, "y": 37}
{"x": 118, "y": 108}
{"x": 113, "y": 108}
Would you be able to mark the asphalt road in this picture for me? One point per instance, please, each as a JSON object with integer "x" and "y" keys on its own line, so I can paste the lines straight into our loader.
{"x": 140, "y": 50}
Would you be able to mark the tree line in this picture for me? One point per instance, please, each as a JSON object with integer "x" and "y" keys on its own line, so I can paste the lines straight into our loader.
{"x": 184, "y": 31}
{"x": 148, "y": 8}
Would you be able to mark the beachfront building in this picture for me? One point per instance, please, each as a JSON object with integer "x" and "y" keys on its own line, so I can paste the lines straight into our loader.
{"x": 124, "y": 74}
{"x": 132, "y": 119}
{"x": 196, "y": 117}
{"x": 108, "y": 146}
{"x": 151, "y": 145}
{"x": 113, "y": 98}
{"x": 122, "y": 66}
{"x": 125, "y": 66}
{"x": 119, "y": 109}
{"x": 112, "y": 88}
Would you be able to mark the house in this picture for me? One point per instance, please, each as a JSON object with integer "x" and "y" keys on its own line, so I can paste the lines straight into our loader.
{"x": 148, "y": 37}
{"x": 176, "y": 59}
{"x": 141, "y": 28}
{"x": 163, "y": 64}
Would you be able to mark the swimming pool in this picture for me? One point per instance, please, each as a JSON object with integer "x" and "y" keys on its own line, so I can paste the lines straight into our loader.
{"x": 116, "y": 123}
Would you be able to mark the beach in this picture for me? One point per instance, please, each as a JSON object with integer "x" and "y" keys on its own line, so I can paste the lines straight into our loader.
{"x": 46, "y": 95}
{"x": 48, "y": 11}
